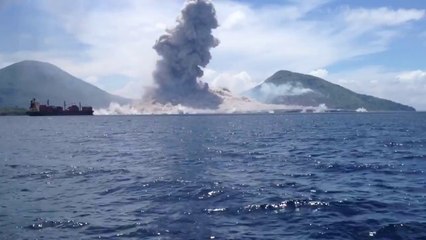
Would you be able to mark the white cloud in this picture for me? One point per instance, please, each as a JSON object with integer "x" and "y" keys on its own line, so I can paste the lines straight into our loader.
{"x": 266, "y": 39}
{"x": 382, "y": 16}
{"x": 321, "y": 73}
{"x": 233, "y": 20}
{"x": 417, "y": 75}
{"x": 235, "y": 82}
{"x": 119, "y": 36}
{"x": 294, "y": 10}
{"x": 270, "y": 39}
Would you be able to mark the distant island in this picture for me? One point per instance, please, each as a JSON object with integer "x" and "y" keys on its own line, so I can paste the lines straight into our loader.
{"x": 23, "y": 81}
{"x": 285, "y": 87}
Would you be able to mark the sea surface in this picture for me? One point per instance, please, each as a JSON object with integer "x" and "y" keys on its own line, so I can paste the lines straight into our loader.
{"x": 288, "y": 176}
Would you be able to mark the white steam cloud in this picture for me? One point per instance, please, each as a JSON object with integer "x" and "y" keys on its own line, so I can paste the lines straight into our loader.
{"x": 268, "y": 92}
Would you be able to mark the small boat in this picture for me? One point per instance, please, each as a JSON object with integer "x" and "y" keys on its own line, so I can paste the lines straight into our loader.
{"x": 47, "y": 110}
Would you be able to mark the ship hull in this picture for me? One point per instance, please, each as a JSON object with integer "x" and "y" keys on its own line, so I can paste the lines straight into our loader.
{"x": 41, "y": 114}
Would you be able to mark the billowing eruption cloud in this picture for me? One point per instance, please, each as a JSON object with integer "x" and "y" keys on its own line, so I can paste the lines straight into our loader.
{"x": 185, "y": 51}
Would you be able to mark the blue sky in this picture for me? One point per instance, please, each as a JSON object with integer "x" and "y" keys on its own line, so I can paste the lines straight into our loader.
{"x": 370, "y": 46}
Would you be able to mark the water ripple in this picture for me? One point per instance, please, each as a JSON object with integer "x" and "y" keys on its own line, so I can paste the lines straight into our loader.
{"x": 43, "y": 224}
{"x": 291, "y": 176}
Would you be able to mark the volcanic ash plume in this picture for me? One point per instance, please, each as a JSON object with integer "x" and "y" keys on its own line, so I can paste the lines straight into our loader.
{"x": 185, "y": 50}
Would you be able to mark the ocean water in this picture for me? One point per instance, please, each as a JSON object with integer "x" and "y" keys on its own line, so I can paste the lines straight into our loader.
{"x": 289, "y": 176}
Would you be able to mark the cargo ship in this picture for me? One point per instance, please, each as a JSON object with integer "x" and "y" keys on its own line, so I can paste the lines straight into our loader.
{"x": 47, "y": 110}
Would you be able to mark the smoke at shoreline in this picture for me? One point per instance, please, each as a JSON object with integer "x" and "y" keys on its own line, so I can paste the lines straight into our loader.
{"x": 231, "y": 104}
{"x": 185, "y": 51}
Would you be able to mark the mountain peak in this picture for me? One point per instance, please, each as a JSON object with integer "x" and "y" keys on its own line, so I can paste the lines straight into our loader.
{"x": 283, "y": 73}
{"x": 36, "y": 68}
{"x": 32, "y": 63}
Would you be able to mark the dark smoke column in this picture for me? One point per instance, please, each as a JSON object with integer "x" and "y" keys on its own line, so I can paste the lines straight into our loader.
{"x": 184, "y": 51}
